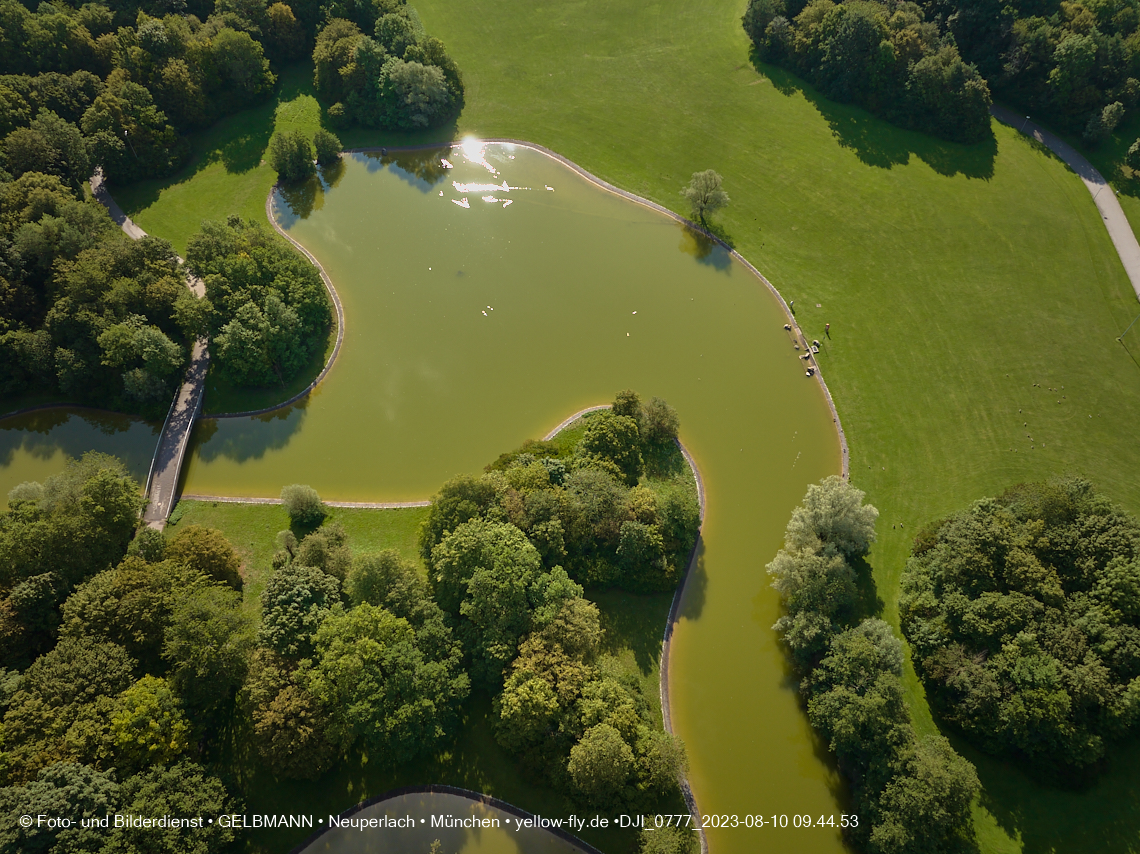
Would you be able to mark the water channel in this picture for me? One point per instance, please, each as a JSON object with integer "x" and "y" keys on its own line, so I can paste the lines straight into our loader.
{"x": 489, "y": 297}
{"x": 35, "y": 445}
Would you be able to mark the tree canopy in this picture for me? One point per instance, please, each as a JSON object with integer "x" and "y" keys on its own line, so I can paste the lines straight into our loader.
{"x": 576, "y": 507}
{"x": 889, "y": 58}
{"x": 383, "y": 70}
{"x": 84, "y": 310}
{"x": 79, "y": 524}
{"x": 1024, "y": 615}
{"x": 912, "y": 794}
{"x": 269, "y": 310}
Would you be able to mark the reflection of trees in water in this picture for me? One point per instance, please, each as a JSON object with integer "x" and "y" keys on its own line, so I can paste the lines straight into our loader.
{"x": 44, "y": 433}
{"x": 301, "y": 198}
{"x": 422, "y": 169}
{"x": 249, "y": 438}
{"x": 703, "y": 248}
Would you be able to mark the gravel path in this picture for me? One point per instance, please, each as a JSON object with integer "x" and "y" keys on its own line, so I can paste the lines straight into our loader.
{"x": 1119, "y": 229}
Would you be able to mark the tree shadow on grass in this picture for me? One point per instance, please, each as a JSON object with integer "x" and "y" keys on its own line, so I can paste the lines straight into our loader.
{"x": 633, "y": 621}
{"x": 878, "y": 143}
{"x": 1103, "y": 818}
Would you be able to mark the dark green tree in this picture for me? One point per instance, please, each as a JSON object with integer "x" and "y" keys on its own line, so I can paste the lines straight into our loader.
{"x": 206, "y": 647}
{"x": 63, "y": 790}
{"x": 378, "y": 687}
{"x": 295, "y": 602}
{"x": 327, "y": 147}
{"x": 206, "y": 550}
{"x": 291, "y": 156}
{"x": 614, "y": 441}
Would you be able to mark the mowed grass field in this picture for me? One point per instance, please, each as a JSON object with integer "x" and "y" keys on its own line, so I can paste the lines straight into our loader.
{"x": 973, "y": 294}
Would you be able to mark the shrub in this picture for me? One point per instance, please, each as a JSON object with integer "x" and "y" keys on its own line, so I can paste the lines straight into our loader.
{"x": 303, "y": 504}
{"x": 291, "y": 156}
{"x": 327, "y": 146}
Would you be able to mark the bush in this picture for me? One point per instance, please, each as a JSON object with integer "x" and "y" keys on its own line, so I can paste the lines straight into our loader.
{"x": 291, "y": 156}
{"x": 303, "y": 504}
{"x": 1133, "y": 156}
{"x": 1101, "y": 124}
{"x": 327, "y": 146}
{"x": 209, "y": 552}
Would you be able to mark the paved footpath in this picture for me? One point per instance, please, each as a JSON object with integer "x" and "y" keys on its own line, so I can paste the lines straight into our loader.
{"x": 1119, "y": 229}
{"x": 165, "y": 467}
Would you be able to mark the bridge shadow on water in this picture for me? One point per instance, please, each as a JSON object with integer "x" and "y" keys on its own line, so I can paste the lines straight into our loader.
{"x": 876, "y": 142}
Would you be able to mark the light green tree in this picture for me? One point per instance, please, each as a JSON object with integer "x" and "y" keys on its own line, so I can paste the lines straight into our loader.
{"x": 704, "y": 194}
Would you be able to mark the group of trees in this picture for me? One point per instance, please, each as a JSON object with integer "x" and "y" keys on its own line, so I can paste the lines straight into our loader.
{"x": 580, "y": 719}
{"x": 266, "y": 309}
{"x": 888, "y": 57}
{"x": 113, "y": 87}
{"x": 91, "y": 314}
{"x": 912, "y": 794}
{"x": 125, "y": 658}
{"x": 118, "y": 85}
{"x": 1075, "y": 64}
{"x": 931, "y": 65}
{"x": 353, "y": 656}
{"x": 291, "y": 153}
{"x": 377, "y": 67}
{"x": 124, "y": 661}
{"x": 84, "y": 310}
{"x": 582, "y": 504}
{"x": 1023, "y": 612}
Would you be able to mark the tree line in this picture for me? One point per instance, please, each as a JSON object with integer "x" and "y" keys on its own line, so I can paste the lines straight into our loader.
{"x": 117, "y": 659}
{"x": 886, "y": 57}
{"x": 125, "y": 661}
{"x": 1074, "y": 64}
{"x": 912, "y": 794}
{"x": 84, "y": 310}
{"x": 932, "y": 65}
{"x": 1023, "y": 612}
{"x": 118, "y": 85}
{"x": 91, "y": 314}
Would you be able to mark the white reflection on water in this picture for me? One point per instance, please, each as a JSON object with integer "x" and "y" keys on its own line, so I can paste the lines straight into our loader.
{"x": 474, "y": 151}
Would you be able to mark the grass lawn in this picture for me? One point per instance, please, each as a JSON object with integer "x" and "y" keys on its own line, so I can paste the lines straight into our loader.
{"x": 962, "y": 283}
{"x": 253, "y": 528}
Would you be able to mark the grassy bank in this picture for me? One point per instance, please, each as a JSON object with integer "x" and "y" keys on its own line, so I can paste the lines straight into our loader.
{"x": 252, "y": 528}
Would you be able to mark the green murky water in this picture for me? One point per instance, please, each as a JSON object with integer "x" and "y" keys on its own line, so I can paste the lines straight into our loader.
{"x": 498, "y": 832}
{"x": 472, "y": 328}
{"x": 35, "y": 445}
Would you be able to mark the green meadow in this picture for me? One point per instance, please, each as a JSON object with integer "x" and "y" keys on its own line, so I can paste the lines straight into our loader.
{"x": 973, "y": 294}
